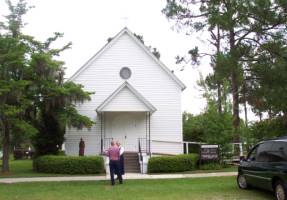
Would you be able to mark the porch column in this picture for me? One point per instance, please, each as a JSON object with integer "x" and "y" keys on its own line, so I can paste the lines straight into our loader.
{"x": 149, "y": 133}
{"x": 146, "y": 132}
{"x": 102, "y": 142}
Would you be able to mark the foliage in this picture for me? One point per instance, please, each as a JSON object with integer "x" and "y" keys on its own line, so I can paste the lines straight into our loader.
{"x": 179, "y": 163}
{"x": 267, "y": 80}
{"x": 14, "y": 71}
{"x": 34, "y": 99}
{"x": 69, "y": 164}
{"x": 268, "y": 129}
{"x": 153, "y": 50}
{"x": 248, "y": 38}
{"x": 211, "y": 126}
{"x": 244, "y": 27}
{"x": 24, "y": 168}
{"x": 61, "y": 153}
{"x": 22, "y": 133}
{"x": 192, "y": 127}
{"x": 54, "y": 100}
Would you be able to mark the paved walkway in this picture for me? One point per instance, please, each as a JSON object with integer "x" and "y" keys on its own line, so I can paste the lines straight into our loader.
{"x": 127, "y": 176}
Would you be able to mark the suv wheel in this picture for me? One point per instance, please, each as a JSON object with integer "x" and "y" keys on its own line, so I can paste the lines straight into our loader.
{"x": 280, "y": 191}
{"x": 241, "y": 182}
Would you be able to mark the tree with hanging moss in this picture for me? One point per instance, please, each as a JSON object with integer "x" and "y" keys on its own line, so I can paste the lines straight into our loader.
{"x": 54, "y": 100}
{"x": 34, "y": 98}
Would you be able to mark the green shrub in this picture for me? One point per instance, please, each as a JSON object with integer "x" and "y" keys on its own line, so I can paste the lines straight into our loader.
{"x": 179, "y": 163}
{"x": 61, "y": 153}
{"x": 69, "y": 164}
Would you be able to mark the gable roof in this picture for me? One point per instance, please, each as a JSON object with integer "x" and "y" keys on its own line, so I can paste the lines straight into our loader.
{"x": 145, "y": 105}
{"x": 131, "y": 35}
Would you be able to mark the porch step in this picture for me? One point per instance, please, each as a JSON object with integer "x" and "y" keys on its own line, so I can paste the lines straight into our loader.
{"x": 131, "y": 162}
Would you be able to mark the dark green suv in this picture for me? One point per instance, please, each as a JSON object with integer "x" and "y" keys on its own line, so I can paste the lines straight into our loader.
{"x": 266, "y": 167}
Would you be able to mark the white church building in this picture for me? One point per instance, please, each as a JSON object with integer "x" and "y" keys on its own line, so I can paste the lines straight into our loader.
{"x": 137, "y": 101}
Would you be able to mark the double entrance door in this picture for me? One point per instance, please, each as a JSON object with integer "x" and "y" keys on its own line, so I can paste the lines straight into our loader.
{"x": 125, "y": 127}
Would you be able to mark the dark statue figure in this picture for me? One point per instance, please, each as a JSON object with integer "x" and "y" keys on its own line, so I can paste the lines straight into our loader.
{"x": 81, "y": 147}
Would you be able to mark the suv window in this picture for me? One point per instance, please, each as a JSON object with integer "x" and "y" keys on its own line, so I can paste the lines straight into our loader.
{"x": 263, "y": 152}
{"x": 278, "y": 152}
{"x": 252, "y": 154}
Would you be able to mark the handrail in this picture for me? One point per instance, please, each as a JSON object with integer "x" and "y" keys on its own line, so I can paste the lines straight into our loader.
{"x": 140, "y": 154}
{"x": 102, "y": 146}
{"x": 166, "y": 141}
{"x": 107, "y": 142}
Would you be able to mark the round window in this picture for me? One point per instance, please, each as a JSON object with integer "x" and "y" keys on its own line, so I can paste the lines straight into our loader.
{"x": 125, "y": 73}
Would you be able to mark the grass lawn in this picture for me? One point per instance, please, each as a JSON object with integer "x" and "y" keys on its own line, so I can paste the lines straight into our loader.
{"x": 219, "y": 188}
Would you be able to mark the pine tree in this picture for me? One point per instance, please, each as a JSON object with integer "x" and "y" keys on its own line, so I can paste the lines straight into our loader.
{"x": 243, "y": 23}
{"x": 34, "y": 98}
{"x": 13, "y": 80}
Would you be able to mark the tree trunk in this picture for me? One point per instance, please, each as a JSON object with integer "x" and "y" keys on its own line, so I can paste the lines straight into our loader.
{"x": 5, "y": 142}
{"x": 219, "y": 98}
{"x": 246, "y": 114}
{"x": 224, "y": 97}
{"x": 245, "y": 104}
{"x": 235, "y": 95}
{"x": 218, "y": 82}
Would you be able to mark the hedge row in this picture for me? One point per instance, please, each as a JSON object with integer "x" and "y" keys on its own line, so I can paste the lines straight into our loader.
{"x": 179, "y": 163}
{"x": 69, "y": 164}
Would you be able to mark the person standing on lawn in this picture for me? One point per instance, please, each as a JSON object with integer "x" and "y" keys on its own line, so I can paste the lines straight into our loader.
{"x": 81, "y": 147}
{"x": 114, "y": 155}
{"x": 122, "y": 160}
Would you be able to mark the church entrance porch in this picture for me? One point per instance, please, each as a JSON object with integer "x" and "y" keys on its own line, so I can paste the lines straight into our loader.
{"x": 131, "y": 129}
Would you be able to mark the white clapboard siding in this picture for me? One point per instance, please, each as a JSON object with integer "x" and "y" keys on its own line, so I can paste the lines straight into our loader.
{"x": 92, "y": 143}
{"x": 101, "y": 75}
{"x": 125, "y": 100}
{"x": 166, "y": 147}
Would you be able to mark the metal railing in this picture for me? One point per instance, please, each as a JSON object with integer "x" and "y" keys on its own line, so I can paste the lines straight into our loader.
{"x": 188, "y": 144}
{"x": 144, "y": 144}
{"x": 106, "y": 143}
{"x": 102, "y": 146}
{"x": 140, "y": 154}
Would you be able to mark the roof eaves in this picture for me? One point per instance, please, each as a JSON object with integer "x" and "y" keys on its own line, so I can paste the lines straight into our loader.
{"x": 133, "y": 90}
{"x": 106, "y": 46}
{"x": 140, "y": 97}
{"x": 110, "y": 97}
{"x": 109, "y": 44}
{"x": 162, "y": 65}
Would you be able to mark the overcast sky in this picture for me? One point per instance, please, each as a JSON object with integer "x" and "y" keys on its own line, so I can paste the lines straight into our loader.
{"x": 89, "y": 23}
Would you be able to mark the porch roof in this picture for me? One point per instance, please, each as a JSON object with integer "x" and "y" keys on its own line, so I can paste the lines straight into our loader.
{"x": 125, "y": 99}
